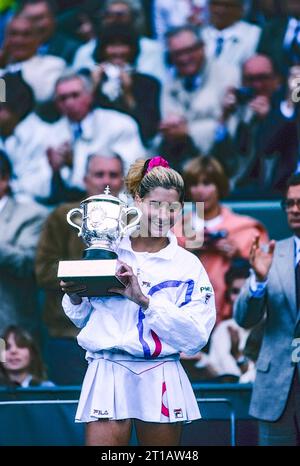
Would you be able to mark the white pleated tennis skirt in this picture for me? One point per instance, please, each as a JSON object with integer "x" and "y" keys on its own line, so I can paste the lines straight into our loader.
{"x": 152, "y": 391}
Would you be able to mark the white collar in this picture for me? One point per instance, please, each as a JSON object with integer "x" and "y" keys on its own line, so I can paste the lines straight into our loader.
{"x": 213, "y": 222}
{"x": 20, "y": 130}
{"x": 26, "y": 381}
{"x": 297, "y": 248}
{"x": 232, "y": 32}
{"x": 87, "y": 124}
{"x": 3, "y": 202}
{"x": 166, "y": 253}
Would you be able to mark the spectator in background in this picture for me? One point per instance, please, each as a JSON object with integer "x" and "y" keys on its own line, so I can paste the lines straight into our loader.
{"x": 226, "y": 235}
{"x": 23, "y": 136}
{"x": 20, "y": 226}
{"x": 83, "y": 130}
{"x": 245, "y": 138}
{"x": 120, "y": 87}
{"x": 283, "y": 143}
{"x": 274, "y": 286}
{"x": 191, "y": 100}
{"x": 228, "y": 340}
{"x": 59, "y": 241}
{"x": 232, "y": 350}
{"x": 85, "y": 24}
{"x": 168, "y": 14}
{"x": 280, "y": 39}
{"x": 20, "y": 53}
{"x": 127, "y": 13}
{"x": 227, "y": 37}
{"x": 22, "y": 365}
{"x": 52, "y": 42}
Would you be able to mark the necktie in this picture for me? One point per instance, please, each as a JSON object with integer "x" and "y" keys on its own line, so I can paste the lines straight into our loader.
{"x": 77, "y": 131}
{"x": 189, "y": 83}
{"x": 219, "y": 46}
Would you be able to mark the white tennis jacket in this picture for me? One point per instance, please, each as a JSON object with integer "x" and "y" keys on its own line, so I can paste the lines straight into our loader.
{"x": 180, "y": 316}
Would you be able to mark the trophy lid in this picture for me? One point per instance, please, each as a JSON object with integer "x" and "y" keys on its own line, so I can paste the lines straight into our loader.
{"x": 106, "y": 196}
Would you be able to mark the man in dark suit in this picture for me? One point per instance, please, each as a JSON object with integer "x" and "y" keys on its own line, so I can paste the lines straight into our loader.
{"x": 273, "y": 292}
{"x": 280, "y": 39}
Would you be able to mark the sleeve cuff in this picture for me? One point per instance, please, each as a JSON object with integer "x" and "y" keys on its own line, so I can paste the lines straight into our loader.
{"x": 66, "y": 302}
{"x": 257, "y": 289}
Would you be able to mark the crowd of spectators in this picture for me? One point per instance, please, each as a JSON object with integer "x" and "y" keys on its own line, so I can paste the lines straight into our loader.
{"x": 211, "y": 85}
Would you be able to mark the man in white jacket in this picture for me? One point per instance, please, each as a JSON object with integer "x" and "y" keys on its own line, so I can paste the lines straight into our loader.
{"x": 228, "y": 38}
{"x": 83, "y": 130}
{"x": 191, "y": 101}
{"x": 19, "y": 53}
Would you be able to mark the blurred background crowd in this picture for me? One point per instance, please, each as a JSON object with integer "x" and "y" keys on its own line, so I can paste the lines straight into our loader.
{"x": 90, "y": 86}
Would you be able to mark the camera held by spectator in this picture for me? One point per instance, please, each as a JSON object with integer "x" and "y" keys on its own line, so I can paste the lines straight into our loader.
{"x": 244, "y": 95}
{"x": 211, "y": 237}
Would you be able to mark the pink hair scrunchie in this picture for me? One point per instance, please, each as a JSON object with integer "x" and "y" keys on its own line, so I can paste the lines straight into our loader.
{"x": 157, "y": 162}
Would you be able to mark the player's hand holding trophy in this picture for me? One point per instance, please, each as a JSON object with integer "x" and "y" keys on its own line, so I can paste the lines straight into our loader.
{"x": 104, "y": 221}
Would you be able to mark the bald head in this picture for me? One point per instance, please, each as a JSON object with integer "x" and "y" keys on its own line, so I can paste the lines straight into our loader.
{"x": 260, "y": 75}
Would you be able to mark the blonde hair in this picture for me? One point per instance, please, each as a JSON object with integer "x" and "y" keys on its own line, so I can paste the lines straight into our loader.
{"x": 140, "y": 183}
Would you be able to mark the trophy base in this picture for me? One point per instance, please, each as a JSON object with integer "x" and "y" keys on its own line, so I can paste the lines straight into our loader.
{"x": 91, "y": 254}
{"x": 97, "y": 275}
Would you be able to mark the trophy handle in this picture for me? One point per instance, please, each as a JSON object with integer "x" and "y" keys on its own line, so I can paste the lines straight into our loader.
{"x": 128, "y": 211}
{"x": 69, "y": 219}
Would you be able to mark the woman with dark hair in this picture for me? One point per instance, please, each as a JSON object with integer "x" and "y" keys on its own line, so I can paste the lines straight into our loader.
{"x": 22, "y": 365}
{"x": 227, "y": 235}
{"x": 119, "y": 86}
{"x": 133, "y": 341}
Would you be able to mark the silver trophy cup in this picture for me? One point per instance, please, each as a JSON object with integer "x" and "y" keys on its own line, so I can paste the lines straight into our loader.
{"x": 104, "y": 221}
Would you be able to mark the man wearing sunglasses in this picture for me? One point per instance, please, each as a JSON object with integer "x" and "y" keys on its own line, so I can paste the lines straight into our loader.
{"x": 273, "y": 291}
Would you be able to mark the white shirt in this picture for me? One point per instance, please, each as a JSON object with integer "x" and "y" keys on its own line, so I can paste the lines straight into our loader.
{"x": 40, "y": 72}
{"x": 214, "y": 222}
{"x": 26, "y": 149}
{"x": 150, "y": 60}
{"x": 103, "y": 131}
{"x": 257, "y": 289}
{"x": 3, "y": 202}
{"x": 180, "y": 316}
{"x": 287, "y": 111}
{"x": 297, "y": 249}
{"x": 240, "y": 42}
